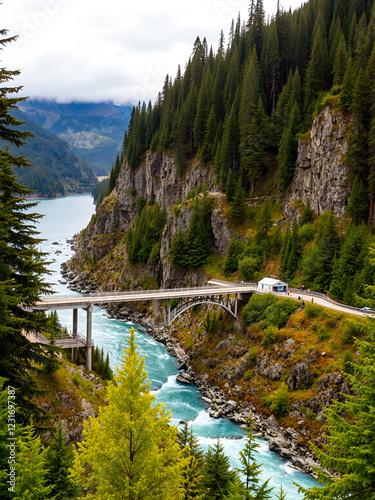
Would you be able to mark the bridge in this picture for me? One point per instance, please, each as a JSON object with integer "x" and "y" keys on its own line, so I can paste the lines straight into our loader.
{"x": 215, "y": 292}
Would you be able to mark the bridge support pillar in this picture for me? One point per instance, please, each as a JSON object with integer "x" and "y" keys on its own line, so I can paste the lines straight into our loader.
{"x": 75, "y": 332}
{"x": 235, "y": 305}
{"x": 89, "y": 339}
{"x": 169, "y": 312}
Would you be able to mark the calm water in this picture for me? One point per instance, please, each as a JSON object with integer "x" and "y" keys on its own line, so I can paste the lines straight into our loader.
{"x": 65, "y": 217}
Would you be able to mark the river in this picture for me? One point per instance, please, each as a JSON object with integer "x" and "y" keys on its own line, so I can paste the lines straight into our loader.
{"x": 64, "y": 217}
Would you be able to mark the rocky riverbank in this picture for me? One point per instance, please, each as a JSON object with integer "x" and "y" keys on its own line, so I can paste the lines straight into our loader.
{"x": 285, "y": 441}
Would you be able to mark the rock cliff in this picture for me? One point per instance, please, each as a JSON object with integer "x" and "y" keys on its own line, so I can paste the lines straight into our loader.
{"x": 320, "y": 170}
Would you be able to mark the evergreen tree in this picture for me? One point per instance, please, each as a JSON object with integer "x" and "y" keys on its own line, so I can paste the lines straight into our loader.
{"x": 22, "y": 264}
{"x": 358, "y": 202}
{"x": 59, "y": 459}
{"x": 318, "y": 262}
{"x": 192, "y": 473}
{"x": 288, "y": 148}
{"x": 230, "y": 187}
{"x": 307, "y": 214}
{"x": 217, "y": 475}
{"x": 31, "y": 468}
{"x": 251, "y": 469}
{"x": 231, "y": 259}
{"x": 130, "y": 450}
{"x": 238, "y": 207}
{"x": 252, "y": 147}
{"x": 349, "y": 447}
{"x": 316, "y": 77}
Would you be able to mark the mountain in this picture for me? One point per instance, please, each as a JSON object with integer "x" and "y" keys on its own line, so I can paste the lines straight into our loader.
{"x": 94, "y": 130}
{"x": 58, "y": 169}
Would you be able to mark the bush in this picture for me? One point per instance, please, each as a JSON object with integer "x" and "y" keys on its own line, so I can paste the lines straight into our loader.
{"x": 312, "y": 311}
{"x": 347, "y": 362}
{"x": 323, "y": 334}
{"x": 280, "y": 403}
{"x": 310, "y": 415}
{"x": 277, "y": 314}
{"x": 306, "y": 233}
{"x": 269, "y": 336}
{"x": 352, "y": 330}
{"x": 248, "y": 266}
{"x": 255, "y": 308}
{"x": 248, "y": 375}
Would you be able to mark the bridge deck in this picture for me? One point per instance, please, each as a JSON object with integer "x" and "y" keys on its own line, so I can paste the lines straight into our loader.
{"x": 84, "y": 301}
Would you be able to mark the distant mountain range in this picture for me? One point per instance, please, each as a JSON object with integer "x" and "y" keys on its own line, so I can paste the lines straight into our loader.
{"x": 58, "y": 169}
{"x": 94, "y": 130}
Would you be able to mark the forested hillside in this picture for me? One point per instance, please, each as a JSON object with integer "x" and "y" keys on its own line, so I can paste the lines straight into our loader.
{"x": 57, "y": 170}
{"x": 246, "y": 104}
{"x": 94, "y": 130}
{"x": 246, "y": 111}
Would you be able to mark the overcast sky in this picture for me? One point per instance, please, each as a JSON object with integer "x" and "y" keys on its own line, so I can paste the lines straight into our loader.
{"x": 117, "y": 50}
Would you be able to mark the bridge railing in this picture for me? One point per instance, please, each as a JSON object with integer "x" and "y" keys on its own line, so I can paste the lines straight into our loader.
{"x": 160, "y": 291}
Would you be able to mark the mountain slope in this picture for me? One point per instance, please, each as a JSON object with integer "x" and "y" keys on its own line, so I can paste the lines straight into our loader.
{"x": 94, "y": 130}
{"x": 57, "y": 170}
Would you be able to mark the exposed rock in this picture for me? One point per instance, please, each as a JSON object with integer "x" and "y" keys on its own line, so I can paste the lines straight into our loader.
{"x": 273, "y": 372}
{"x": 224, "y": 344}
{"x": 299, "y": 377}
{"x": 320, "y": 170}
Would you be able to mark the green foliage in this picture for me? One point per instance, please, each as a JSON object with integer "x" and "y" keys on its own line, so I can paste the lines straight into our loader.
{"x": 192, "y": 472}
{"x": 247, "y": 267}
{"x": 347, "y": 362}
{"x": 58, "y": 168}
{"x": 349, "y": 447}
{"x": 256, "y": 307}
{"x": 279, "y": 402}
{"x": 31, "y": 468}
{"x": 231, "y": 259}
{"x": 210, "y": 322}
{"x": 310, "y": 415}
{"x": 269, "y": 336}
{"x": 59, "y": 459}
{"x": 238, "y": 207}
{"x": 217, "y": 473}
{"x": 144, "y": 239}
{"x": 312, "y": 311}
{"x": 23, "y": 266}
{"x": 131, "y": 438}
{"x": 351, "y": 331}
{"x": 323, "y": 334}
{"x": 191, "y": 249}
{"x": 278, "y": 313}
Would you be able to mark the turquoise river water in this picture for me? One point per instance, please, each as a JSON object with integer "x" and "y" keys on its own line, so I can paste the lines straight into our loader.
{"x": 64, "y": 217}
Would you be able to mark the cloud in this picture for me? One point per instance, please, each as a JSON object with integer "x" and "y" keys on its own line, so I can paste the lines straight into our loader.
{"x": 94, "y": 50}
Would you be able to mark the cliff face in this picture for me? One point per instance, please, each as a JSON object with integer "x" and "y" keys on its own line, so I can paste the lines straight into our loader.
{"x": 157, "y": 179}
{"x": 320, "y": 170}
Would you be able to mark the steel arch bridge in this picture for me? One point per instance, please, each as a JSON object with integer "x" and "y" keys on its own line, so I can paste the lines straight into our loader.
{"x": 188, "y": 302}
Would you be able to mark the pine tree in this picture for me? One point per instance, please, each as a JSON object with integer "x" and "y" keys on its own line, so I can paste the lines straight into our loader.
{"x": 130, "y": 450}
{"x": 349, "y": 447}
{"x": 358, "y": 202}
{"x": 231, "y": 259}
{"x": 192, "y": 473}
{"x": 22, "y": 264}
{"x": 59, "y": 459}
{"x": 316, "y": 77}
{"x": 238, "y": 208}
{"x": 31, "y": 468}
{"x": 230, "y": 187}
{"x": 217, "y": 476}
{"x": 288, "y": 148}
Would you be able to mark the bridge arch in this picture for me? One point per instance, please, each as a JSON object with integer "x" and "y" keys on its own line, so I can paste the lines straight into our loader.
{"x": 187, "y": 303}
